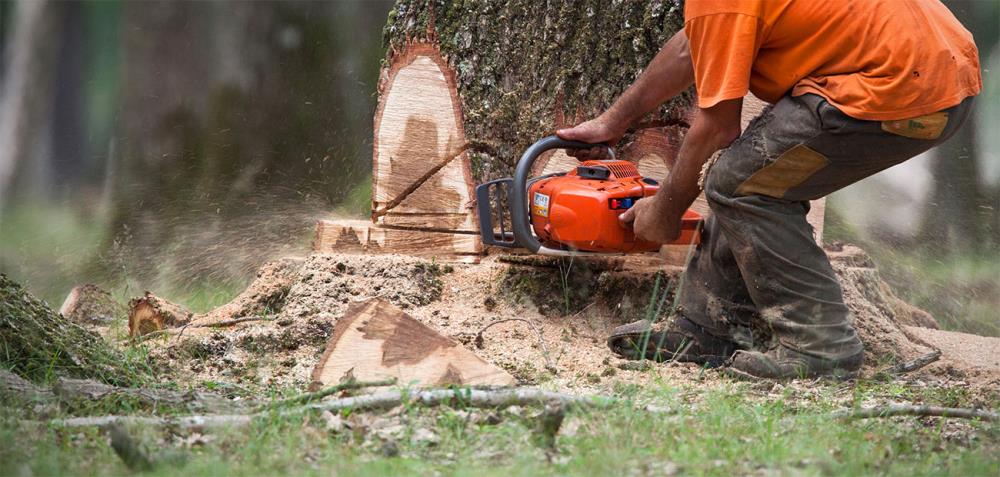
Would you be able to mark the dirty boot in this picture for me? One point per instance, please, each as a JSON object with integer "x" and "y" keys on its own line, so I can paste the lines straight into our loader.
{"x": 782, "y": 363}
{"x": 680, "y": 340}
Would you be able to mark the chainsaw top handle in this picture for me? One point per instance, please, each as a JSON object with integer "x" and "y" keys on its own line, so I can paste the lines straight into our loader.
{"x": 519, "y": 188}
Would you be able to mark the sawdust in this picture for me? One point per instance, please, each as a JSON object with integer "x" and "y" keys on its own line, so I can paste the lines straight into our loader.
{"x": 283, "y": 349}
{"x": 964, "y": 357}
{"x": 460, "y": 300}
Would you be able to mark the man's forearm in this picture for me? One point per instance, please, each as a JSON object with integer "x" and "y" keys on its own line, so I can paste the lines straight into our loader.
{"x": 666, "y": 76}
{"x": 712, "y": 130}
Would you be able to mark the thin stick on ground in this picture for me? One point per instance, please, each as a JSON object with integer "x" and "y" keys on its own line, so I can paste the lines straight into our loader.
{"x": 382, "y": 401}
{"x": 914, "y": 364}
{"x": 318, "y": 395}
{"x": 541, "y": 339}
{"x": 913, "y": 410}
{"x": 216, "y": 324}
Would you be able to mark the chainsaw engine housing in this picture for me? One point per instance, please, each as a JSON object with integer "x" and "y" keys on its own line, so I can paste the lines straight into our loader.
{"x": 580, "y": 209}
{"x": 569, "y": 213}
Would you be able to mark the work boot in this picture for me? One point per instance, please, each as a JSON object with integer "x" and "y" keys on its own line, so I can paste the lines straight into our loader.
{"x": 681, "y": 340}
{"x": 782, "y": 363}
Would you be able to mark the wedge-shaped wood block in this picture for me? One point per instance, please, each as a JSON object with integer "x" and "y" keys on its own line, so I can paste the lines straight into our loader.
{"x": 376, "y": 340}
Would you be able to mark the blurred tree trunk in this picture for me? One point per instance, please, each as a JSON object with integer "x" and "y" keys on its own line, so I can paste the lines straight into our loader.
{"x": 961, "y": 212}
{"x": 26, "y": 97}
{"x": 228, "y": 111}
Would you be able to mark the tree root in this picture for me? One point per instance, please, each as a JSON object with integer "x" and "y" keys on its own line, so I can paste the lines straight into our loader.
{"x": 912, "y": 410}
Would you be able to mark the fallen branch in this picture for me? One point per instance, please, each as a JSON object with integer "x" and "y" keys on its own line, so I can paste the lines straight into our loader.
{"x": 912, "y": 410}
{"x": 914, "y": 364}
{"x": 541, "y": 340}
{"x": 318, "y": 395}
{"x": 129, "y": 450}
{"x": 373, "y": 402}
{"x": 462, "y": 397}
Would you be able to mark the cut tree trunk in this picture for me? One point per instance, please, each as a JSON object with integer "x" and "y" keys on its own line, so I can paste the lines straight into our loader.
{"x": 500, "y": 75}
{"x": 375, "y": 340}
{"x": 150, "y": 313}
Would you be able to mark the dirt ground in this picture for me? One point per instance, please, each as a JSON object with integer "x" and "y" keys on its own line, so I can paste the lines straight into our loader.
{"x": 572, "y": 311}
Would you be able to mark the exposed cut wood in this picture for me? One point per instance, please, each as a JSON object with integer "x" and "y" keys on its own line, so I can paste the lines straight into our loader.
{"x": 150, "y": 313}
{"x": 346, "y": 236}
{"x": 418, "y": 126}
{"x": 89, "y": 304}
{"x": 375, "y": 340}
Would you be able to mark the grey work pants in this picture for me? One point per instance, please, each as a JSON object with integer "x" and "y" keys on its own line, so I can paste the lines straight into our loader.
{"x": 759, "y": 266}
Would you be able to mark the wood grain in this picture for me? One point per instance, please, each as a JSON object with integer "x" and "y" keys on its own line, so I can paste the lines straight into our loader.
{"x": 418, "y": 124}
{"x": 376, "y": 340}
{"x": 339, "y": 236}
{"x": 150, "y": 313}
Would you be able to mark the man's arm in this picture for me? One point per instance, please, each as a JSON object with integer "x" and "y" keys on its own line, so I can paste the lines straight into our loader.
{"x": 658, "y": 218}
{"x": 666, "y": 76}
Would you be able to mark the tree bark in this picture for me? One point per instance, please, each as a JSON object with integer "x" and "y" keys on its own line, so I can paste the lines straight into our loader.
{"x": 38, "y": 341}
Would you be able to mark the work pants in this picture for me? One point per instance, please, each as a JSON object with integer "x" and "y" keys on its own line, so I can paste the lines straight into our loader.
{"x": 759, "y": 272}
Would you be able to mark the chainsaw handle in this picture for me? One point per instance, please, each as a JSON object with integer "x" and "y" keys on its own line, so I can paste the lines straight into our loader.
{"x": 519, "y": 188}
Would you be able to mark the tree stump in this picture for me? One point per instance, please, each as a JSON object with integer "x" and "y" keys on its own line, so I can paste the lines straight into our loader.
{"x": 150, "y": 313}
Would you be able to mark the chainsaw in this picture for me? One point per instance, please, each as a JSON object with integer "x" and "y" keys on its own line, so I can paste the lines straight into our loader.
{"x": 570, "y": 213}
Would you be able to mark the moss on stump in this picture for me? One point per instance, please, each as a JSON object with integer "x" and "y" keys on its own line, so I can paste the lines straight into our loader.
{"x": 39, "y": 344}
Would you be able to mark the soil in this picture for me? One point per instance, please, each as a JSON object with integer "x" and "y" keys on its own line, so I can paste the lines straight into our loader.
{"x": 573, "y": 309}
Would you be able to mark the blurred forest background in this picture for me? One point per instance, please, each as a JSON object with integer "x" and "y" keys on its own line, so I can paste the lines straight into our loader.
{"x": 175, "y": 146}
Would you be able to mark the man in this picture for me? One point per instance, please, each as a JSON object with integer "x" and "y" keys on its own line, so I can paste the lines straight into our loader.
{"x": 856, "y": 87}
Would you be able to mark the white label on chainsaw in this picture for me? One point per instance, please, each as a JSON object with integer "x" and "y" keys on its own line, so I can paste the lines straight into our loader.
{"x": 540, "y": 205}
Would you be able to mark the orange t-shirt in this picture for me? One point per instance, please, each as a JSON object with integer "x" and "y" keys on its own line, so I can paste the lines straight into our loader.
{"x": 872, "y": 59}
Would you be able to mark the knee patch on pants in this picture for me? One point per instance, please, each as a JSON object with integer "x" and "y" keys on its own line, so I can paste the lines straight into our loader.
{"x": 790, "y": 169}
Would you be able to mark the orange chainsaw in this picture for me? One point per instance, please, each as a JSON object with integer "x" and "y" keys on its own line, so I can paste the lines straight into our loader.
{"x": 566, "y": 213}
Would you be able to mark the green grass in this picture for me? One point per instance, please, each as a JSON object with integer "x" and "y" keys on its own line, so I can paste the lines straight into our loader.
{"x": 725, "y": 429}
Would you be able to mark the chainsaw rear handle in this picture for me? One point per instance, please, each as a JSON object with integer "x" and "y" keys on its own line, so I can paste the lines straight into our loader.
{"x": 519, "y": 189}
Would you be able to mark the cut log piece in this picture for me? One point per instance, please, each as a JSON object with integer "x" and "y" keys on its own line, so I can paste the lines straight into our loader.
{"x": 346, "y": 236}
{"x": 418, "y": 124}
{"x": 375, "y": 340}
{"x": 150, "y": 313}
{"x": 89, "y": 304}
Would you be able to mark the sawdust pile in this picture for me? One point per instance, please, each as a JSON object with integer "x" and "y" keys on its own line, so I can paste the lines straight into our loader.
{"x": 564, "y": 317}
{"x": 300, "y": 301}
